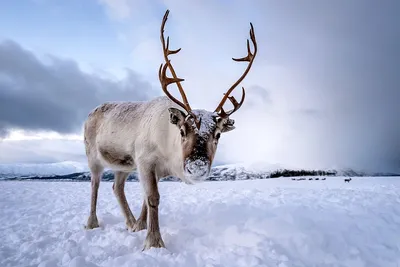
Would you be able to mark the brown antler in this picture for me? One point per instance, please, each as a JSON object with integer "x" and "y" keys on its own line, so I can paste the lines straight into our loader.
{"x": 249, "y": 58}
{"x": 165, "y": 81}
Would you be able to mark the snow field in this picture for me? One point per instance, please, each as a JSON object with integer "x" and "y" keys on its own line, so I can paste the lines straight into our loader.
{"x": 273, "y": 222}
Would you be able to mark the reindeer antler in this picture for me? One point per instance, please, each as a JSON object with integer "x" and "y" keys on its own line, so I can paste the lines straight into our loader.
{"x": 249, "y": 58}
{"x": 165, "y": 81}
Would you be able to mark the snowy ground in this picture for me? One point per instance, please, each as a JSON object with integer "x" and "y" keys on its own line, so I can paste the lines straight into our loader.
{"x": 275, "y": 222}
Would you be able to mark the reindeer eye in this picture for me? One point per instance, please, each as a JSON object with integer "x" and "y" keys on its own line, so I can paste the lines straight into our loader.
{"x": 217, "y": 136}
{"x": 182, "y": 133}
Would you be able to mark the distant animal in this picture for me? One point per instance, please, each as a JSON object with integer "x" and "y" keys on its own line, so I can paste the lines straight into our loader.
{"x": 293, "y": 179}
{"x": 347, "y": 180}
{"x": 323, "y": 178}
{"x": 316, "y": 178}
{"x": 158, "y": 138}
{"x": 310, "y": 178}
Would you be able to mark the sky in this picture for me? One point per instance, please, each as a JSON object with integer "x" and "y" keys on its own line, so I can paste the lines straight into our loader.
{"x": 323, "y": 91}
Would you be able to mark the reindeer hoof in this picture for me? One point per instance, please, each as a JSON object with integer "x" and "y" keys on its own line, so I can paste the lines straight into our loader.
{"x": 139, "y": 226}
{"x": 130, "y": 225}
{"x": 92, "y": 223}
{"x": 153, "y": 239}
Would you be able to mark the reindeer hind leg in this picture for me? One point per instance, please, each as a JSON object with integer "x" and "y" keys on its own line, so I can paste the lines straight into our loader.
{"x": 141, "y": 222}
{"x": 96, "y": 171}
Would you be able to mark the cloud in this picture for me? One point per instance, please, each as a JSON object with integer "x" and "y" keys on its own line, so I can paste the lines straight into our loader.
{"x": 42, "y": 151}
{"x": 55, "y": 96}
{"x": 322, "y": 92}
{"x": 118, "y": 9}
{"x": 123, "y": 9}
{"x": 330, "y": 69}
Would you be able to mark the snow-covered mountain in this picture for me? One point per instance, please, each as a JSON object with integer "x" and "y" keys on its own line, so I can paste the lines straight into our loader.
{"x": 78, "y": 171}
{"x": 43, "y": 169}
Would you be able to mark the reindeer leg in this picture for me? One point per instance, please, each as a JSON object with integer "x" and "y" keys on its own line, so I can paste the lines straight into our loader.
{"x": 141, "y": 222}
{"x": 119, "y": 192}
{"x": 92, "y": 221}
{"x": 152, "y": 198}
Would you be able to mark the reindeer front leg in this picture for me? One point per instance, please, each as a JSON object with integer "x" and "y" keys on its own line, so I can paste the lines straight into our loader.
{"x": 152, "y": 198}
{"x": 141, "y": 222}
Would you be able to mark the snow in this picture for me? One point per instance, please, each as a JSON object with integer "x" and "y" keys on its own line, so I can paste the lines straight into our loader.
{"x": 271, "y": 222}
{"x": 207, "y": 124}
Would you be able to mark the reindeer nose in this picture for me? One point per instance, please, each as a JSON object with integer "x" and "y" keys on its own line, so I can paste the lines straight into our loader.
{"x": 197, "y": 168}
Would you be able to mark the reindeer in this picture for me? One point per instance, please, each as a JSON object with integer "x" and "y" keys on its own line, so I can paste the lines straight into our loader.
{"x": 158, "y": 138}
{"x": 347, "y": 180}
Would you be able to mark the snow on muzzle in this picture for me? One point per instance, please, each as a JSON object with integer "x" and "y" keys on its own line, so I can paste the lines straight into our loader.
{"x": 197, "y": 170}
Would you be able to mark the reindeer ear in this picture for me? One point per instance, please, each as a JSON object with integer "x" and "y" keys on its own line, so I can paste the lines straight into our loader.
{"x": 176, "y": 116}
{"x": 227, "y": 124}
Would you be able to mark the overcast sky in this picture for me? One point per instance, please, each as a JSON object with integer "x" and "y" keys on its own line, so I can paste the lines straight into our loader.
{"x": 323, "y": 91}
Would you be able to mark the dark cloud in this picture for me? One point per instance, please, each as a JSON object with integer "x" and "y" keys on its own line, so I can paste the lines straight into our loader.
{"x": 348, "y": 54}
{"x": 56, "y": 96}
{"x": 336, "y": 101}
{"x": 3, "y": 132}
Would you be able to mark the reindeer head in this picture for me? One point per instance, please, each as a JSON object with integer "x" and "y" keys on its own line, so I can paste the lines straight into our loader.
{"x": 200, "y": 130}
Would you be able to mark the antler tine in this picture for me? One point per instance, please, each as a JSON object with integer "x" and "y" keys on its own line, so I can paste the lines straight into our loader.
{"x": 165, "y": 81}
{"x": 249, "y": 58}
{"x": 175, "y": 79}
{"x": 235, "y": 104}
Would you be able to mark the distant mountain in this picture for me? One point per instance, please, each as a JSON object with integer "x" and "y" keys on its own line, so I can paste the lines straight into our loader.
{"x": 72, "y": 171}
{"x": 42, "y": 169}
